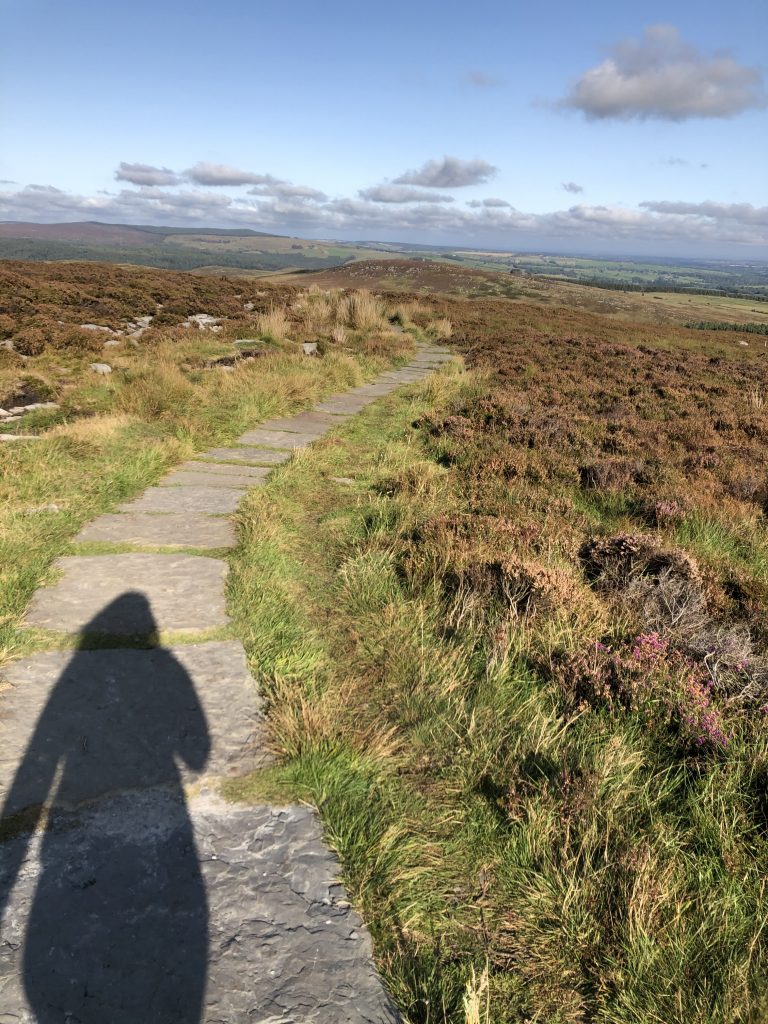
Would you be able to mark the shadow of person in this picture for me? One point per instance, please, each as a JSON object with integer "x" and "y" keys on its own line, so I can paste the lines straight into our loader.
{"x": 116, "y": 914}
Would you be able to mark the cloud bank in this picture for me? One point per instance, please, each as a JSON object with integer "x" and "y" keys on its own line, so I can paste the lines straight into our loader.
{"x": 395, "y": 210}
{"x": 660, "y": 76}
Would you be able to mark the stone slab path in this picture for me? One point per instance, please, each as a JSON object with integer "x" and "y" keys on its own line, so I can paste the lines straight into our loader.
{"x": 130, "y": 893}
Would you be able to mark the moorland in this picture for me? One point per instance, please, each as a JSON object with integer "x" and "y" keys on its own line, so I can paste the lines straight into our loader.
{"x": 509, "y": 624}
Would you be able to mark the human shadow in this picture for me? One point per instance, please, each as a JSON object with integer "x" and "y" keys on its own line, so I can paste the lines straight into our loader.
{"x": 117, "y": 915}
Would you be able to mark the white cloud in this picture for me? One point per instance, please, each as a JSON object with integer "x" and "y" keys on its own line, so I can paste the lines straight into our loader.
{"x": 571, "y": 186}
{"x": 450, "y": 172}
{"x": 402, "y": 194}
{"x": 490, "y": 203}
{"x": 146, "y": 174}
{"x": 288, "y": 191}
{"x": 661, "y": 76}
{"x": 220, "y": 175}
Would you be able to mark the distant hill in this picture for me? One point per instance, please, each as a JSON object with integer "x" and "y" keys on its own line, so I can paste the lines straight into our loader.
{"x": 171, "y": 248}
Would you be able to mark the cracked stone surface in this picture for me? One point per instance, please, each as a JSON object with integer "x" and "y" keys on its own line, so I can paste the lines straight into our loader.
{"x": 184, "y": 592}
{"x": 201, "y": 498}
{"x": 114, "y": 720}
{"x": 344, "y": 405}
{"x": 263, "y": 456}
{"x": 304, "y": 422}
{"x": 280, "y": 438}
{"x": 221, "y": 470}
{"x": 232, "y": 481}
{"x": 184, "y": 529}
{"x": 260, "y": 932}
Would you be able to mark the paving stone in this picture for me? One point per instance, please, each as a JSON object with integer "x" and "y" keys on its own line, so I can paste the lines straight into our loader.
{"x": 116, "y": 720}
{"x": 131, "y": 594}
{"x": 265, "y": 456}
{"x": 303, "y": 422}
{"x": 344, "y": 406}
{"x": 214, "y": 500}
{"x": 144, "y": 908}
{"x": 231, "y": 481}
{"x": 220, "y": 469}
{"x": 373, "y": 390}
{"x": 281, "y": 438}
{"x": 185, "y": 529}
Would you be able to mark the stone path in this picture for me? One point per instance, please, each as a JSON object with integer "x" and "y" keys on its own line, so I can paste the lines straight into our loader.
{"x": 130, "y": 893}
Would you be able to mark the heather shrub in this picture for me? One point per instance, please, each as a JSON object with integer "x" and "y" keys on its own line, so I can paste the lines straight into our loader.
{"x": 648, "y": 677}
{"x": 30, "y": 340}
{"x": 7, "y": 326}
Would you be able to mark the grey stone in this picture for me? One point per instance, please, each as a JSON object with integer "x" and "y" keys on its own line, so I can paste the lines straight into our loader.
{"x": 185, "y": 529}
{"x": 183, "y": 592}
{"x": 19, "y": 437}
{"x": 309, "y": 348}
{"x": 183, "y": 478}
{"x": 214, "y": 500}
{"x": 256, "y": 456}
{"x": 343, "y": 404}
{"x": 303, "y": 422}
{"x": 280, "y": 438}
{"x": 219, "y": 470}
{"x": 103, "y": 368}
{"x": 146, "y": 909}
{"x": 116, "y": 720}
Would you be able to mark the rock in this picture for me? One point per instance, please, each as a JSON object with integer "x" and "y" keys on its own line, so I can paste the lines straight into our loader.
{"x": 43, "y": 508}
{"x": 248, "y": 305}
{"x": 102, "y": 368}
{"x": 111, "y": 343}
{"x": 96, "y": 327}
{"x": 21, "y": 409}
{"x": 310, "y": 348}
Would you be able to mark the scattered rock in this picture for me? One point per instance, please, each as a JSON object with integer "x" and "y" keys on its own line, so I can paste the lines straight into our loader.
{"x": 96, "y": 327}
{"x": 111, "y": 343}
{"x": 18, "y": 437}
{"x": 345, "y": 481}
{"x": 43, "y": 508}
{"x": 310, "y": 348}
{"x": 203, "y": 321}
{"x": 102, "y": 368}
{"x": 249, "y": 306}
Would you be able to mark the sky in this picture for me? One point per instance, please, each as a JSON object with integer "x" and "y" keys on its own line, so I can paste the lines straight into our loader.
{"x": 598, "y": 127}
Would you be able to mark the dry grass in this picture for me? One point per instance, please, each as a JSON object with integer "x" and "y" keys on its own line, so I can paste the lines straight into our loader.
{"x": 273, "y": 325}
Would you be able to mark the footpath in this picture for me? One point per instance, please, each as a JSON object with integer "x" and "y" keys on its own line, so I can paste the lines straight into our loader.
{"x": 130, "y": 892}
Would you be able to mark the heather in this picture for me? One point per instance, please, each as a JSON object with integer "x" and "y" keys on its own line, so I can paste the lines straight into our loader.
{"x": 510, "y": 630}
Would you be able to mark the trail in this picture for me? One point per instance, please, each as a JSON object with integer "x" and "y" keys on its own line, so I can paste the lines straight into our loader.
{"x": 132, "y": 893}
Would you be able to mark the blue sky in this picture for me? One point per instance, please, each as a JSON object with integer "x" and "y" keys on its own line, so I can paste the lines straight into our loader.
{"x": 653, "y": 115}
